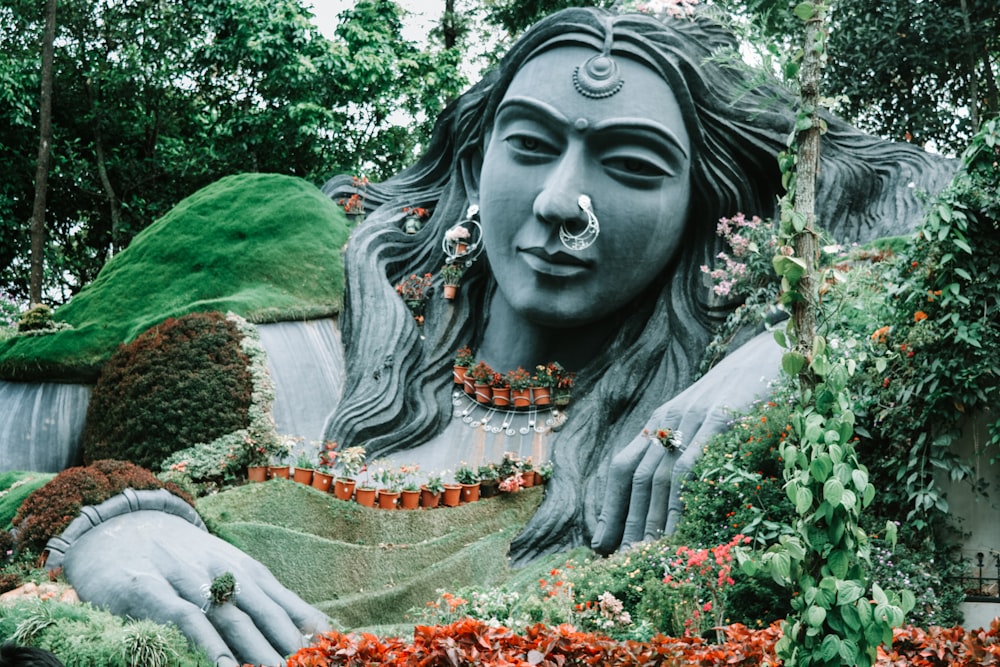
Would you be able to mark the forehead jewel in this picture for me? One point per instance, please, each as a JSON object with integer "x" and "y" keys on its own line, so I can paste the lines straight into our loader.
{"x": 599, "y": 76}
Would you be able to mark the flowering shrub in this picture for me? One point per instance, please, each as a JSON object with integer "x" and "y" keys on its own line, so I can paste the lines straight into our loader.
{"x": 10, "y": 313}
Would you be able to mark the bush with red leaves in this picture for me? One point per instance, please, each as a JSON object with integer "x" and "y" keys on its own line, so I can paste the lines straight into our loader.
{"x": 472, "y": 642}
{"x": 48, "y": 510}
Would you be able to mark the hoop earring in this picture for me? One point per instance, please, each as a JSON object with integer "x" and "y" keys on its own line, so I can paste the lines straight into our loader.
{"x": 463, "y": 241}
{"x": 586, "y": 238}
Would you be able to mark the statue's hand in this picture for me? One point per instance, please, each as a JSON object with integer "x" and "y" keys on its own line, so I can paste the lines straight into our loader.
{"x": 644, "y": 483}
{"x": 154, "y": 565}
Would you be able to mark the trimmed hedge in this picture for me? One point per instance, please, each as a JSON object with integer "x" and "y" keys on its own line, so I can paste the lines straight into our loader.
{"x": 183, "y": 382}
{"x": 48, "y": 510}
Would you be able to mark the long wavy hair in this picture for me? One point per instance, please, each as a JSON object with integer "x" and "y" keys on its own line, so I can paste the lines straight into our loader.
{"x": 398, "y": 375}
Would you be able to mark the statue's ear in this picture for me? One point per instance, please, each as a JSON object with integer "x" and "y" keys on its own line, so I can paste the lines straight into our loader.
{"x": 472, "y": 167}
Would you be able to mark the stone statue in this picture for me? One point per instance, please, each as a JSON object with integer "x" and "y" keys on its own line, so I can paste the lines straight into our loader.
{"x": 601, "y": 154}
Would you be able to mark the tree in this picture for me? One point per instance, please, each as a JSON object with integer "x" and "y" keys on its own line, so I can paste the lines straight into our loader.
{"x": 155, "y": 100}
{"x": 924, "y": 72}
{"x": 44, "y": 148}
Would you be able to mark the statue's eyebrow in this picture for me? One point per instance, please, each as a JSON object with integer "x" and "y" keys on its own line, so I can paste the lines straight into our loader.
{"x": 645, "y": 125}
{"x": 533, "y": 105}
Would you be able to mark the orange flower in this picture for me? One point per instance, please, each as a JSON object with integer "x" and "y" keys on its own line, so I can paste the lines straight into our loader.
{"x": 880, "y": 334}
{"x": 919, "y": 316}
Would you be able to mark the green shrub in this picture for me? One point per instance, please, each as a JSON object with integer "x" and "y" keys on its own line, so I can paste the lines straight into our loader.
{"x": 35, "y": 319}
{"x": 48, "y": 510}
{"x": 182, "y": 382}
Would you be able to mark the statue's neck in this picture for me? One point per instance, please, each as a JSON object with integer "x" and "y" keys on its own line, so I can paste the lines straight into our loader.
{"x": 510, "y": 340}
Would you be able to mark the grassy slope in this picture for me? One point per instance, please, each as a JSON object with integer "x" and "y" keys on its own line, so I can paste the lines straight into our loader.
{"x": 367, "y": 567}
{"x": 262, "y": 245}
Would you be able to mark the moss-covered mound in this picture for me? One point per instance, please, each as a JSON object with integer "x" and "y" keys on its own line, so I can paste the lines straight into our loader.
{"x": 261, "y": 245}
{"x": 366, "y": 567}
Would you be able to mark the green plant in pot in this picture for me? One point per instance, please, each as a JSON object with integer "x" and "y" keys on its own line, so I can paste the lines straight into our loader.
{"x": 466, "y": 474}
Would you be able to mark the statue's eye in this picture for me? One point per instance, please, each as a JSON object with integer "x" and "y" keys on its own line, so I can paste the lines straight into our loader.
{"x": 529, "y": 143}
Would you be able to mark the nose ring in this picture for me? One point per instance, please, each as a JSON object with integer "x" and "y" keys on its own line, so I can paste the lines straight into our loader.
{"x": 586, "y": 238}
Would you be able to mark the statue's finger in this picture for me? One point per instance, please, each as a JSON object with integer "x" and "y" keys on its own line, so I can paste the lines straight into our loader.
{"x": 656, "y": 517}
{"x": 642, "y": 488}
{"x": 240, "y": 632}
{"x": 611, "y": 523}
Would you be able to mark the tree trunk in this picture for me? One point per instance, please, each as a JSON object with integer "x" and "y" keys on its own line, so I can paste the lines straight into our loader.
{"x": 971, "y": 64}
{"x": 44, "y": 150}
{"x": 102, "y": 170}
{"x": 807, "y": 171}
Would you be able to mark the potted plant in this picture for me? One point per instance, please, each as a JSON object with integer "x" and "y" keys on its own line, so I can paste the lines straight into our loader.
{"x": 468, "y": 477}
{"x": 482, "y": 376}
{"x": 541, "y": 385}
{"x": 431, "y": 490}
{"x": 488, "y": 480}
{"x": 364, "y": 491}
{"x": 303, "y": 470}
{"x": 463, "y": 360}
{"x": 527, "y": 472}
{"x": 509, "y": 473}
{"x": 256, "y": 456}
{"x": 457, "y": 239}
{"x": 520, "y": 382}
{"x": 279, "y": 455}
{"x": 562, "y": 385}
{"x": 451, "y": 275}
{"x": 390, "y": 483}
{"x": 500, "y": 390}
{"x": 323, "y": 473}
{"x": 409, "y": 498}
{"x": 544, "y": 472}
{"x": 348, "y": 464}
{"x": 414, "y": 219}
{"x": 413, "y": 291}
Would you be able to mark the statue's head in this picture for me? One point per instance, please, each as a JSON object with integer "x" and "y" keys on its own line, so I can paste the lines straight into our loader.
{"x": 616, "y": 108}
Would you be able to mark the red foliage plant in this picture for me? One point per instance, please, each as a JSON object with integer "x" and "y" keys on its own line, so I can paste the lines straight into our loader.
{"x": 48, "y": 510}
{"x": 473, "y": 642}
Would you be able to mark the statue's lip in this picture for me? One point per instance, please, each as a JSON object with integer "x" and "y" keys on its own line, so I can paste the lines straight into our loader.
{"x": 554, "y": 263}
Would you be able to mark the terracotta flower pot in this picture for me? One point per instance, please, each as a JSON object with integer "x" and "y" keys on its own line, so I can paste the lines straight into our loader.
{"x": 365, "y": 497}
{"x": 409, "y": 500}
{"x": 501, "y": 396}
{"x": 303, "y": 476}
{"x": 452, "y": 495}
{"x": 470, "y": 493}
{"x": 461, "y": 247}
{"x": 428, "y": 498}
{"x": 387, "y": 499}
{"x": 488, "y": 489}
{"x": 539, "y": 480}
{"x": 450, "y": 291}
{"x": 467, "y": 385}
{"x": 257, "y": 473}
{"x": 343, "y": 488}
{"x": 322, "y": 481}
{"x": 458, "y": 374}
{"x": 278, "y": 471}
{"x": 541, "y": 395}
{"x": 520, "y": 397}
{"x": 484, "y": 394}
{"x": 528, "y": 479}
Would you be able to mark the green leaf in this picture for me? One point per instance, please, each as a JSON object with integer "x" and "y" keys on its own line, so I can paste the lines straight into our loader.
{"x": 815, "y": 616}
{"x": 847, "y": 592}
{"x": 860, "y": 479}
{"x": 803, "y": 500}
{"x": 830, "y": 648}
{"x": 792, "y": 363}
{"x": 821, "y": 468}
{"x": 805, "y": 10}
{"x": 780, "y": 338}
{"x": 838, "y": 561}
{"x": 833, "y": 491}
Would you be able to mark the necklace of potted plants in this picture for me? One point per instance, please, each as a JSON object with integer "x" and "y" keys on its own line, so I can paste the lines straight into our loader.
{"x": 519, "y": 381}
{"x": 348, "y": 464}
{"x": 463, "y": 360}
{"x": 451, "y": 275}
{"x": 482, "y": 376}
{"x": 430, "y": 492}
{"x": 468, "y": 477}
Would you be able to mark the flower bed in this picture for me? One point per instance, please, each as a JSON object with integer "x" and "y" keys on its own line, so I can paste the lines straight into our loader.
{"x": 475, "y": 642}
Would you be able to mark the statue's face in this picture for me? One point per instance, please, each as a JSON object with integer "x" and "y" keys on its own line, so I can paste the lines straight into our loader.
{"x": 630, "y": 153}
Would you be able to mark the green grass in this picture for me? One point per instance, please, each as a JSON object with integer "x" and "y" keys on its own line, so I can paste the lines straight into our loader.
{"x": 366, "y": 567}
{"x": 15, "y": 487}
{"x": 262, "y": 245}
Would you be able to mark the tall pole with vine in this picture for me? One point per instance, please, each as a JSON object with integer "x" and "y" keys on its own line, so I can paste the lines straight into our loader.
{"x": 838, "y": 619}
